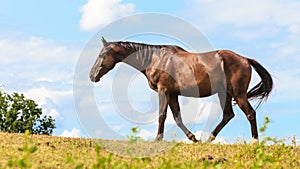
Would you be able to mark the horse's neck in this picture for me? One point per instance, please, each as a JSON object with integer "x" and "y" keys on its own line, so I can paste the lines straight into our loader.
{"x": 140, "y": 59}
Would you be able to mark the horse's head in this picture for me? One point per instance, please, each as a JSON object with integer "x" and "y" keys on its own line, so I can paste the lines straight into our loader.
{"x": 108, "y": 57}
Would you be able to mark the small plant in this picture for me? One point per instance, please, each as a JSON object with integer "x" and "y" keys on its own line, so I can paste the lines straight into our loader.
{"x": 294, "y": 142}
{"x": 102, "y": 162}
{"x": 134, "y": 135}
{"x": 27, "y": 150}
{"x": 267, "y": 139}
{"x": 262, "y": 157}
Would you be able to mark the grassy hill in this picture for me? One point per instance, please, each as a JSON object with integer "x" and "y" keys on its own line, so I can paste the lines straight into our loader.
{"x": 37, "y": 151}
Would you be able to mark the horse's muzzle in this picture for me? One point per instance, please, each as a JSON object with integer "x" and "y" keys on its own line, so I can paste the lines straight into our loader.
{"x": 94, "y": 78}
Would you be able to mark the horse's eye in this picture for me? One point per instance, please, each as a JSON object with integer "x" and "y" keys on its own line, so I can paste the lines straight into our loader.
{"x": 105, "y": 52}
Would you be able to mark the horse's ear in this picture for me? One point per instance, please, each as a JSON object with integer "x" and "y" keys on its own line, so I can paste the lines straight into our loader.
{"x": 104, "y": 42}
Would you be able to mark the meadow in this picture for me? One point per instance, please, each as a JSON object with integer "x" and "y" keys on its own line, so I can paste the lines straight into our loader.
{"x": 39, "y": 151}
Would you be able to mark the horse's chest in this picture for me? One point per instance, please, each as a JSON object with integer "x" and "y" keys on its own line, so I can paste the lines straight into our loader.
{"x": 158, "y": 77}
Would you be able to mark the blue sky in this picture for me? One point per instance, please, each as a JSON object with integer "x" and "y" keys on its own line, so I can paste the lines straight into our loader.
{"x": 41, "y": 42}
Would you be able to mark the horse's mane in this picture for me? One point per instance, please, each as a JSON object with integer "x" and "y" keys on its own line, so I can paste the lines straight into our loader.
{"x": 143, "y": 46}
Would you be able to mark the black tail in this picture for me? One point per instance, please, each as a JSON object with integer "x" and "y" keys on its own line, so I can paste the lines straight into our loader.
{"x": 263, "y": 88}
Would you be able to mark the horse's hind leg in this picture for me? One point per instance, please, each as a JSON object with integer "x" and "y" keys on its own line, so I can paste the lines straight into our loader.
{"x": 250, "y": 114}
{"x": 174, "y": 105}
{"x": 228, "y": 114}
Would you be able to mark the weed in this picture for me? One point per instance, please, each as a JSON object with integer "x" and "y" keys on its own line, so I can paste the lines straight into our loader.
{"x": 134, "y": 135}
{"x": 262, "y": 157}
{"x": 27, "y": 150}
{"x": 102, "y": 162}
{"x": 294, "y": 142}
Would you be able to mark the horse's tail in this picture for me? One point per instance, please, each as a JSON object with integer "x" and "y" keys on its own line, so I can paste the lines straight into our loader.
{"x": 264, "y": 87}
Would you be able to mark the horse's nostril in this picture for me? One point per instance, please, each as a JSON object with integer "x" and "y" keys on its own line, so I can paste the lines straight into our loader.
{"x": 92, "y": 77}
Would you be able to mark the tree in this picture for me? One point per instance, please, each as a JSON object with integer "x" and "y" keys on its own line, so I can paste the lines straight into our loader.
{"x": 18, "y": 114}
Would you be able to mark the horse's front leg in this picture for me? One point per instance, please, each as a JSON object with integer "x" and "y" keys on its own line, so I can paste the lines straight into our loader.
{"x": 175, "y": 108}
{"x": 163, "y": 104}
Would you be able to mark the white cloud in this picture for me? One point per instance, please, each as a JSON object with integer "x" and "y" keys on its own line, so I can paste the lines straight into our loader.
{"x": 295, "y": 28}
{"x": 271, "y": 25}
{"x": 286, "y": 86}
{"x": 55, "y": 114}
{"x": 40, "y": 95}
{"x": 35, "y": 61}
{"x": 42, "y": 70}
{"x": 147, "y": 135}
{"x": 255, "y": 33}
{"x": 241, "y": 13}
{"x": 246, "y": 20}
{"x": 198, "y": 111}
{"x": 99, "y": 12}
{"x": 41, "y": 65}
{"x": 73, "y": 133}
{"x": 35, "y": 50}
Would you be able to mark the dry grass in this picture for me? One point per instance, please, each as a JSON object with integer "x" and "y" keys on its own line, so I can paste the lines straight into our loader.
{"x": 36, "y": 151}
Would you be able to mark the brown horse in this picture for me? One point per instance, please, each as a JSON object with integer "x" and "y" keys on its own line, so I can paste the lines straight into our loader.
{"x": 172, "y": 71}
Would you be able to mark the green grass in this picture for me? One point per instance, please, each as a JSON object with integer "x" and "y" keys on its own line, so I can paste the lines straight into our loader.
{"x": 38, "y": 151}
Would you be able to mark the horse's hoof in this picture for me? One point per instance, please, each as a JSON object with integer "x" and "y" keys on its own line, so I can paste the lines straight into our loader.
{"x": 159, "y": 137}
{"x": 192, "y": 137}
{"x": 211, "y": 138}
{"x": 254, "y": 141}
{"x": 194, "y": 140}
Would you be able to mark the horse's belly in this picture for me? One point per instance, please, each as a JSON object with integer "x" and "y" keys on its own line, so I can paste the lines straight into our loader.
{"x": 202, "y": 89}
{"x": 202, "y": 85}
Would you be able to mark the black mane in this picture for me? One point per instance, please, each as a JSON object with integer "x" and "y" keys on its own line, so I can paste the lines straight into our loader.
{"x": 142, "y": 53}
{"x": 143, "y": 46}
